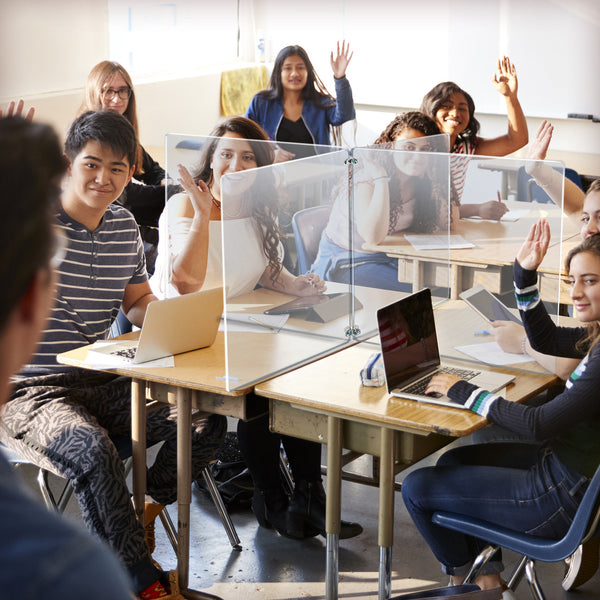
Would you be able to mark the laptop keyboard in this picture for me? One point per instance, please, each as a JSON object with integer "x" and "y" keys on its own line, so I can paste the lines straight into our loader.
{"x": 418, "y": 388}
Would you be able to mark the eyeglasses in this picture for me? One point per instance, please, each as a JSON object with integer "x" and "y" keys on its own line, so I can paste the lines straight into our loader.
{"x": 124, "y": 93}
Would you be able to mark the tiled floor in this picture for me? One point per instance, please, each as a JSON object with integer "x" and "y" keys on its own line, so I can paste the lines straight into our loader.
{"x": 273, "y": 567}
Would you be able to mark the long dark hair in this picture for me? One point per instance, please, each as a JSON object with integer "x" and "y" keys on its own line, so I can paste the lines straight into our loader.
{"x": 266, "y": 212}
{"x": 434, "y": 98}
{"x": 591, "y": 245}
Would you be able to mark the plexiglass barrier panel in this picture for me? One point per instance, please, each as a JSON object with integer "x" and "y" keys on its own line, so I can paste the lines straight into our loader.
{"x": 500, "y": 200}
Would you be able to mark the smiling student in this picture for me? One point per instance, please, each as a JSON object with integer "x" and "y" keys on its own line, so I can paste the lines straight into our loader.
{"x": 296, "y": 107}
{"x": 62, "y": 418}
{"x": 534, "y": 487}
{"x": 453, "y": 109}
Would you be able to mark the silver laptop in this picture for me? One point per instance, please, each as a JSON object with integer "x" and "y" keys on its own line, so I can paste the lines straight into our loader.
{"x": 411, "y": 354}
{"x": 172, "y": 326}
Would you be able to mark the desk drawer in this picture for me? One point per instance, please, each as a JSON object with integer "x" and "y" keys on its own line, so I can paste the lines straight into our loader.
{"x": 357, "y": 436}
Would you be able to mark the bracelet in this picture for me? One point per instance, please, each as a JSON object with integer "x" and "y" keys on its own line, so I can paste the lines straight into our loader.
{"x": 523, "y": 342}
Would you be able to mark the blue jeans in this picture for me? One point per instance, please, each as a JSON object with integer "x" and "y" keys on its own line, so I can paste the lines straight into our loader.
{"x": 372, "y": 269}
{"x": 521, "y": 486}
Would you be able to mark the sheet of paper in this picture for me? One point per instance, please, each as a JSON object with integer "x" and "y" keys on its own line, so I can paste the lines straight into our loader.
{"x": 99, "y": 357}
{"x": 255, "y": 323}
{"x": 491, "y": 354}
{"x": 438, "y": 242}
{"x": 515, "y": 215}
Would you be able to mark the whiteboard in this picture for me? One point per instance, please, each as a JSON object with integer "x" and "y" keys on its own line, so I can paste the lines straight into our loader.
{"x": 403, "y": 48}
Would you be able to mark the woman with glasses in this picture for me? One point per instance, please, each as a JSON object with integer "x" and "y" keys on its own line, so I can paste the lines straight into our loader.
{"x": 398, "y": 186}
{"x": 109, "y": 87}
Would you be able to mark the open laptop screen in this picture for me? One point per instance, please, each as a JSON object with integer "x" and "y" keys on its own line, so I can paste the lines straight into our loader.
{"x": 408, "y": 339}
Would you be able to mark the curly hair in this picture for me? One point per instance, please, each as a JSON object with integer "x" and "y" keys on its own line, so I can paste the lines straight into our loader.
{"x": 434, "y": 98}
{"x": 408, "y": 120}
{"x": 265, "y": 213}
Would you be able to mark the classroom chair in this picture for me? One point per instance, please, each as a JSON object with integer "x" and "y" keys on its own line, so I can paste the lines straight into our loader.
{"x": 531, "y": 548}
{"x": 529, "y": 191}
{"x": 308, "y": 225}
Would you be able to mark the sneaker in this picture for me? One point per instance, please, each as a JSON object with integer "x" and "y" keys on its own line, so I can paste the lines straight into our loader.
{"x": 151, "y": 511}
{"x": 163, "y": 591}
{"x": 582, "y": 564}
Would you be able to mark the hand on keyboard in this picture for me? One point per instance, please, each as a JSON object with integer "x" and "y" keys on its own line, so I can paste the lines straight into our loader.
{"x": 441, "y": 383}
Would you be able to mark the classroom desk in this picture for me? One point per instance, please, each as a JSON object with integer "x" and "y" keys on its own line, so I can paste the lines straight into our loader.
{"x": 325, "y": 402}
{"x": 488, "y": 263}
{"x": 197, "y": 381}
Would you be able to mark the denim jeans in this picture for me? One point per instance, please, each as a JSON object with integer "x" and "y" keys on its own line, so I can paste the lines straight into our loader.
{"x": 524, "y": 487}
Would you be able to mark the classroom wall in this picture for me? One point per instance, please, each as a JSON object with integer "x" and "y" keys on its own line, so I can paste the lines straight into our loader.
{"x": 47, "y": 49}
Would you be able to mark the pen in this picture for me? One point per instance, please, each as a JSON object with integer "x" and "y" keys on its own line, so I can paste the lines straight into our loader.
{"x": 481, "y": 332}
{"x": 275, "y": 329}
{"x": 499, "y": 196}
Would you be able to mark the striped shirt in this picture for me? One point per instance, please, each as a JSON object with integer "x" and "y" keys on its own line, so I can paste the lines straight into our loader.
{"x": 93, "y": 275}
{"x": 459, "y": 164}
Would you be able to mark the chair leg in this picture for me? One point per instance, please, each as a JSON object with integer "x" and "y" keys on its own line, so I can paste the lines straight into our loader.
{"x": 49, "y": 498}
{"x": 221, "y": 508}
{"x": 481, "y": 559}
{"x": 534, "y": 585}
{"x": 517, "y": 573}
{"x": 286, "y": 476}
{"x": 170, "y": 530}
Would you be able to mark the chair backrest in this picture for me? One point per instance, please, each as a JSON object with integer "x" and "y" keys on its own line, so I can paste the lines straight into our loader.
{"x": 308, "y": 225}
{"x": 529, "y": 191}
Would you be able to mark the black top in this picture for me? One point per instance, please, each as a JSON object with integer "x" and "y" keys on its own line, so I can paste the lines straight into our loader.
{"x": 296, "y": 132}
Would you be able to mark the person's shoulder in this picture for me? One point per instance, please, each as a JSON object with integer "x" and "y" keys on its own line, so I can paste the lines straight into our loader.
{"x": 43, "y": 555}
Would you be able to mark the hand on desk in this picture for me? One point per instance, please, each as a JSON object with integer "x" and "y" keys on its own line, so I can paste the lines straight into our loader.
{"x": 509, "y": 335}
{"x": 307, "y": 285}
{"x": 441, "y": 383}
{"x": 492, "y": 210}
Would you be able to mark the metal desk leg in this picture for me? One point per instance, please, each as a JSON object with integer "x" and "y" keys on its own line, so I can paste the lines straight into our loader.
{"x": 138, "y": 445}
{"x": 386, "y": 513}
{"x": 333, "y": 506}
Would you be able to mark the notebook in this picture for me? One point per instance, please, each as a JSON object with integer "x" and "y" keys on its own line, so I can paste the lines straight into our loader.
{"x": 411, "y": 356}
{"x": 172, "y": 326}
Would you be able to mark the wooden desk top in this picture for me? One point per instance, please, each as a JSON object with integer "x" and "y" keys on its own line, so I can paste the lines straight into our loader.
{"x": 332, "y": 385}
{"x": 496, "y": 242}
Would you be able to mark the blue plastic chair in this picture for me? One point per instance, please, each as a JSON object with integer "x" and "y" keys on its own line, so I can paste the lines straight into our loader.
{"x": 308, "y": 225}
{"x": 529, "y": 191}
{"x": 584, "y": 526}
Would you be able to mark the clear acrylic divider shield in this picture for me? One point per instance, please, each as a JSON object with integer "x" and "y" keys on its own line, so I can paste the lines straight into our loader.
{"x": 500, "y": 200}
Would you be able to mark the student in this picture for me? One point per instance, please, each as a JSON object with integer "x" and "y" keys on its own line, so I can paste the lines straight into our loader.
{"x": 453, "y": 110}
{"x": 62, "y": 418}
{"x": 551, "y": 475}
{"x": 42, "y": 555}
{"x": 252, "y": 257}
{"x": 109, "y": 87}
{"x": 297, "y": 108}
{"x": 395, "y": 191}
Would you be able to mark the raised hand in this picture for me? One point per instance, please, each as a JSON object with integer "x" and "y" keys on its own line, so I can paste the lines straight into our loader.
{"x": 534, "y": 248}
{"x": 340, "y": 62}
{"x": 505, "y": 78}
{"x": 538, "y": 147}
{"x": 199, "y": 194}
{"x": 19, "y": 110}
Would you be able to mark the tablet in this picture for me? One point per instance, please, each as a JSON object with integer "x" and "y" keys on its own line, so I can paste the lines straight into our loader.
{"x": 306, "y": 303}
{"x": 487, "y": 305}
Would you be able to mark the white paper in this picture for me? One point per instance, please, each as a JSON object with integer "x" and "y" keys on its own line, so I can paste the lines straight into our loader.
{"x": 438, "y": 242}
{"x": 99, "y": 357}
{"x": 515, "y": 215}
{"x": 254, "y": 323}
{"x": 491, "y": 354}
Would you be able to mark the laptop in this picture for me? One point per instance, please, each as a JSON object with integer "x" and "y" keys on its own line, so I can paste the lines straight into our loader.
{"x": 411, "y": 356}
{"x": 172, "y": 326}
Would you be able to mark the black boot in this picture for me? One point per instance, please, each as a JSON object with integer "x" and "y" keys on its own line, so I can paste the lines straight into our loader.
{"x": 306, "y": 514}
{"x": 270, "y": 507}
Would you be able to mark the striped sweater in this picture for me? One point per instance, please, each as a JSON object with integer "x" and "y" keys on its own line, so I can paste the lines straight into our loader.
{"x": 97, "y": 268}
{"x": 570, "y": 422}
